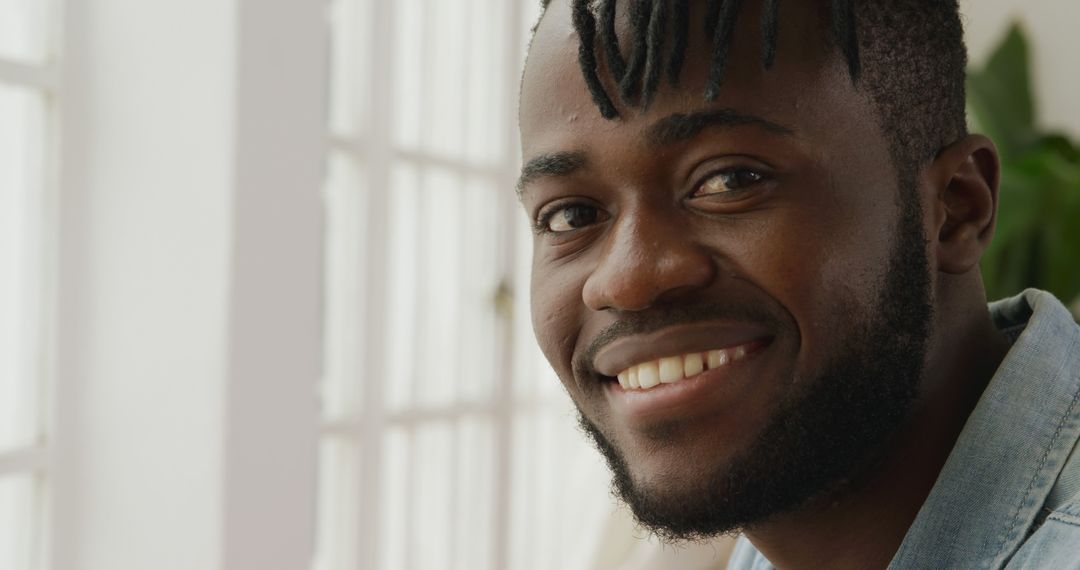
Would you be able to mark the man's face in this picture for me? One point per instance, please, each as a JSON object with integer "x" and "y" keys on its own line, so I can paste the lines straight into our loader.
{"x": 755, "y": 253}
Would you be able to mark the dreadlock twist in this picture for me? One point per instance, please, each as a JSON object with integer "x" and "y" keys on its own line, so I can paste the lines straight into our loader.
{"x": 908, "y": 56}
{"x": 649, "y": 21}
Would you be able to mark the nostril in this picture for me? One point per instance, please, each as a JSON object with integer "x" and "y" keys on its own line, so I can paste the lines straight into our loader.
{"x": 636, "y": 285}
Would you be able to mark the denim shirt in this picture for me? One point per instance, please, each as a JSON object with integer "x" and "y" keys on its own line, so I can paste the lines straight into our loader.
{"x": 1009, "y": 493}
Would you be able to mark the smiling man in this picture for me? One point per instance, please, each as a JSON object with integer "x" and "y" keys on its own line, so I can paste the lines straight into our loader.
{"x": 757, "y": 234}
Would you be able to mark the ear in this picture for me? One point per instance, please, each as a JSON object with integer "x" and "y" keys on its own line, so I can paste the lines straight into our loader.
{"x": 963, "y": 202}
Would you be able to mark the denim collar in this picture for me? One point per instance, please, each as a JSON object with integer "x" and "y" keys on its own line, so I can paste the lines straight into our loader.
{"x": 988, "y": 497}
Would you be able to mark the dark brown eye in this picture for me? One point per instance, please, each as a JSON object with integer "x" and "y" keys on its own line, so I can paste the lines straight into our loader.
{"x": 729, "y": 181}
{"x": 572, "y": 217}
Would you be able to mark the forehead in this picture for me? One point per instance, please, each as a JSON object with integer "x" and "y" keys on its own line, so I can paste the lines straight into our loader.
{"x": 806, "y": 89}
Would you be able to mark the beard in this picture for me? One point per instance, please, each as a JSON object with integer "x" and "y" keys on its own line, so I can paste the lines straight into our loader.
{"x": 822, "y": 437}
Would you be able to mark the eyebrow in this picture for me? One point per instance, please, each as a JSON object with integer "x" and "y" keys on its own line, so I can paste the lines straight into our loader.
{"x": 549, "y": 165}
{"x": 683, "y": 127}
{"x": 672, "y": 129}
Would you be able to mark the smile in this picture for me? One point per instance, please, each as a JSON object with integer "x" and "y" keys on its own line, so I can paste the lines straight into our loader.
{"x": 692, "y": 385}
{"x": 672, "y": 369}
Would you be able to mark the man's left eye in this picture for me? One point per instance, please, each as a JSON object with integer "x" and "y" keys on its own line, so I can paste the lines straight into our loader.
{"x": 727, "y": 181}
{"x": 569, "y": 218}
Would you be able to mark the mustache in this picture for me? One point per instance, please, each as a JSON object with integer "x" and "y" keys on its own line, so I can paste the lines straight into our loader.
{"x": 645, "y": 322}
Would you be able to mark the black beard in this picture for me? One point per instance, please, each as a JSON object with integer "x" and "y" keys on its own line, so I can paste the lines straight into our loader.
{"x": 821, "y": 438}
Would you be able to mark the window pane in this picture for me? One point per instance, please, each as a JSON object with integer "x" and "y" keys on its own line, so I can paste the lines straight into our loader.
{"x": 18, "y": 524}
{"x": 350, "y": 71}
{"x": 433, "y": 497}
{"x": 344, "y": 285}
{"x": 396, "y": 494}
{"x": 437, "y": 509}
{"x": 472, "y": 527}
{"x": 22, "y": 34}
{"x": 477, "y": 345}
{"x": 556, "y": 477}
{"x": 403, "y": 262}
{"x": 21, "y": 126}
{"x": 443, "y": 112}
{"x": 442, "y": 275}
{"x": 441, "y": 219}
{"x": 486, "y": 91}
{"x": 450, "y": 99}
{"x": 408, "y": 71}
{"x": 339, "y": 480}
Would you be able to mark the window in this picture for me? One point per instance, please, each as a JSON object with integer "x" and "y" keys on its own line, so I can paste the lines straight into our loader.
{"x": 447, "y": 441}
{"x": 28, "y": 89}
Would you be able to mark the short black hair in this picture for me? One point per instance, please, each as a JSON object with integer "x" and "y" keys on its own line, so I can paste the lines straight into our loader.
{"x": 908, "y": 55}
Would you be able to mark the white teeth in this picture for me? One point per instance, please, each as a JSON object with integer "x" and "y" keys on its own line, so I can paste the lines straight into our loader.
{"x": 717, "y": 358}
{"x": 649, "y": 375}
{"x": 693, "y": 365}
{"x": 671, "y": 369}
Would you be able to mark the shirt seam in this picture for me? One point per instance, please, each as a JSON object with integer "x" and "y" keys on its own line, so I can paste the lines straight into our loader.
{"x": 1065, "y": 518}
{"x": 1035, "y": 477}
{"x": 1070, "y": 508}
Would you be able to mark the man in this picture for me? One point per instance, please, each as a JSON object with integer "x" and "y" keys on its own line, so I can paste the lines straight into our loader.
{"x": 757, "y": 234}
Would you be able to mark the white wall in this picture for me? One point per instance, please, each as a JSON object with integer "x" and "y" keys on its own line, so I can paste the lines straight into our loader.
{"x": 189, "y": 282}
{"x": 275, "y": 317}
{"x": 144, "y": 276}
{"x": 1051, "y": 27}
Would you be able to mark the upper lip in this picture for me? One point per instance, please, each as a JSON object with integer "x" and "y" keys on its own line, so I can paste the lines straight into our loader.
{"x": 676, "y": 340}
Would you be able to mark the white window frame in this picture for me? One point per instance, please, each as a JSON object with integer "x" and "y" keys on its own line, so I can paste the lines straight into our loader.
{"x": 36, "y": 460}
{"x": 518, "y": 362}
{"x": 376, "y": 151}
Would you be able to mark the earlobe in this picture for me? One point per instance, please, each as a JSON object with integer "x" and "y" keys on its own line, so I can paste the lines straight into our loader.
{"x": 966, "y": 176}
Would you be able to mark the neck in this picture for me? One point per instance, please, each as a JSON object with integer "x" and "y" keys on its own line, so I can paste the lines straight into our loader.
{"x": 864, "y": 525}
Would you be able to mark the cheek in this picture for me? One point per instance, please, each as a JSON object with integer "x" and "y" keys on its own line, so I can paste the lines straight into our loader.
{"x": 557, "y": 312}
{"x": 825, "y": 266}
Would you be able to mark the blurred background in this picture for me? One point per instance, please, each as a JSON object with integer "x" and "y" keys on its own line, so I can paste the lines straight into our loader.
{"x": 264, "y": 284}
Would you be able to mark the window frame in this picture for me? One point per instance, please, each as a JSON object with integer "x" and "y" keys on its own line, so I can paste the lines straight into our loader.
{"x": 374, "y": 151}
{"x": 36, "y": 459}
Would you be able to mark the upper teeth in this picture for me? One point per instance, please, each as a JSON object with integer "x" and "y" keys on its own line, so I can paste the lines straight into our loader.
{"x": 674, "y": 368}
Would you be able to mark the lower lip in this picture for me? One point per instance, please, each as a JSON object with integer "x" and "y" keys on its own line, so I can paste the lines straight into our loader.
{"x": 686, "y": 396}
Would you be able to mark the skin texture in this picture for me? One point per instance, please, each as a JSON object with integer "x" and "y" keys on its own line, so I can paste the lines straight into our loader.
{"x": 801, "y": 257}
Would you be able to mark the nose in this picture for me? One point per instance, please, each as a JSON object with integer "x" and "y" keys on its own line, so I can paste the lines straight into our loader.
{"x": 647, "y": 260}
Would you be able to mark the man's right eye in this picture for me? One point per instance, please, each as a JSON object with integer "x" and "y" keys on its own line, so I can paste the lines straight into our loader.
{"x": 569, "y": 218}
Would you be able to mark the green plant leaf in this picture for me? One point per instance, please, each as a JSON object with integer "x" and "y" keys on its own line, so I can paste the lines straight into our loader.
{"x": 1000, "y": 97}
{"x": 1037, "y": 238}
{"x": 1019, "y": 202}
{"x": 1061, "y": 270}
{"x": 1061, "y": 145}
